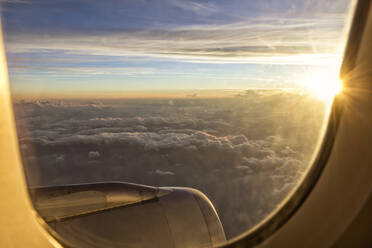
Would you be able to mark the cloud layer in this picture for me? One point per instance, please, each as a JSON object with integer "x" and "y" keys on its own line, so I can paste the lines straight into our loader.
{"x": 263, "y": 40}
{"x": 245, "y": 152}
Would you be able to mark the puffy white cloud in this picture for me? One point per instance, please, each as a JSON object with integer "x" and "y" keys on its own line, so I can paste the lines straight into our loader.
{"x": 156, "y": 141}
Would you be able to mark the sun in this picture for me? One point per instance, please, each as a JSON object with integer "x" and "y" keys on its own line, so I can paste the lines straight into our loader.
{"x": 325, "y": 84}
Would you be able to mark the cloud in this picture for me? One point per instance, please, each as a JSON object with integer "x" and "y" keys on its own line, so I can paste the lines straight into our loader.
{"x": 151, "y": 141}
{"x": 159, "y": 43}
{"x": 242, "y": 37}
{"x": 93, "y": 155}
{"x": 263, "y": 41}
{"x": 164, "y": 173}
{"x": 60, "y": 159}
{"x": 76, "y": 70}
{"x": 196, "y": 7}
{"x": 288, "y": 150}
{"x": 15, "y": 1}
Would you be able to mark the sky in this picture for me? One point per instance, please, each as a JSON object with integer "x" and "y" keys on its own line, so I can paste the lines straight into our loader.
{"x": 76, "y": 46}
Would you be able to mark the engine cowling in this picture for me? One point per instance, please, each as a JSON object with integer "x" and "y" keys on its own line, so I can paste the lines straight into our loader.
{"x": 129, "y": 215}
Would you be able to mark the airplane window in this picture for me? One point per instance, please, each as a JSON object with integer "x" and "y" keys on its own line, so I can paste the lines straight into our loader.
{"x": 226, "y": 97}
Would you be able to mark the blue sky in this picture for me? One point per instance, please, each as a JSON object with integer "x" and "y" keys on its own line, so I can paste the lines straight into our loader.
{"x": 92, "y": 45}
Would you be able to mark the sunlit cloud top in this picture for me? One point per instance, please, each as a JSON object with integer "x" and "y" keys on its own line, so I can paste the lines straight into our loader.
{"x": 146, "y": 37}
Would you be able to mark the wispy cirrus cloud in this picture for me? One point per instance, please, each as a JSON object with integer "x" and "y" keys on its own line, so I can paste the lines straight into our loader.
{"x": 87, "y": 70}
{"x": 197, "y": 7}
{"x": 166, "y": 37}
{"x": 258, "y": 40}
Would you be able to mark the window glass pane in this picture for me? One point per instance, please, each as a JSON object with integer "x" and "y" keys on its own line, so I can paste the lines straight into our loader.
{"x": 227, "y": 97}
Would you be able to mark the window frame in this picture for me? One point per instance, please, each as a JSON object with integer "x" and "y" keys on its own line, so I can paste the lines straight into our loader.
{"x": 45, "y": 237}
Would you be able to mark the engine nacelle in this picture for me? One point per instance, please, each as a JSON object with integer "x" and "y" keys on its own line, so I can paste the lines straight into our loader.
{"x": 129, "y": 215}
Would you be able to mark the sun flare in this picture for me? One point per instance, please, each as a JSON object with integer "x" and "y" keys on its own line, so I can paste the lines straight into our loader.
{"x": 325, "y": 85}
